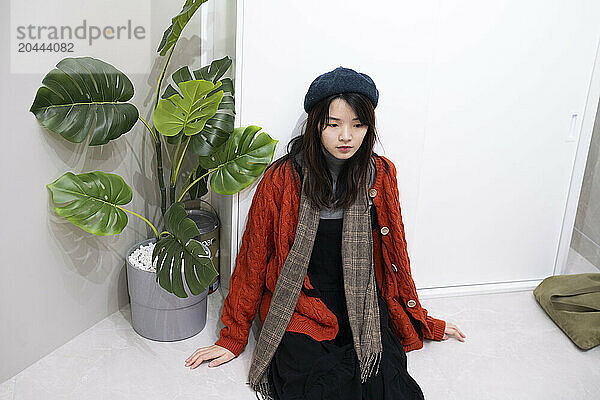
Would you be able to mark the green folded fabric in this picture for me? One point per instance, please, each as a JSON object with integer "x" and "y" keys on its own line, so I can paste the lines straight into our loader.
{"x": 573, "y": 303}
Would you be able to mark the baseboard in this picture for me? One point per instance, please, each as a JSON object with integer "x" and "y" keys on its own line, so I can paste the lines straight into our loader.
{"x": 478, "y": 289}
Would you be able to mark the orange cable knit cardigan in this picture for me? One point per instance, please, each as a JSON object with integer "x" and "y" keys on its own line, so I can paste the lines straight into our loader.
{"x": 269, "y": 236}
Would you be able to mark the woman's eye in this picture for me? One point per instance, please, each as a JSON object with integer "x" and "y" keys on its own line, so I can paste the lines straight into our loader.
{"x": 356, "y": 126}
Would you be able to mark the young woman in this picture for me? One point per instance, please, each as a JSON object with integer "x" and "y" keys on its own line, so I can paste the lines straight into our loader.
{"x": 324, "y": 258}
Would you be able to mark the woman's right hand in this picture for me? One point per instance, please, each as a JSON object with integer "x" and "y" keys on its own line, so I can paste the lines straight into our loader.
{"x": 221, "y": 354}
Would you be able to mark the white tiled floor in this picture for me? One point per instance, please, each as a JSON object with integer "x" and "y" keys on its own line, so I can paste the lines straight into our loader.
{"x": 512, "y": 351}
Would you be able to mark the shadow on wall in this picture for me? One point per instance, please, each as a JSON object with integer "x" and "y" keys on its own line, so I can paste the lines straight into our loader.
{"x": 91, "y": 257}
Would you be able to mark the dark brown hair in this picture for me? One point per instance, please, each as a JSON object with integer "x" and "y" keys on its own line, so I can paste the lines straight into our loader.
{"x": 308, "y": 145}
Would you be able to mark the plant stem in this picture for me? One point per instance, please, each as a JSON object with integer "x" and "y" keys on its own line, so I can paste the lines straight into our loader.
{"x": 161, "y": 178}
{"x": 172, "y": 193}
{"x": 196, "y": 181}
{"x": 159, "y": 167}
{"x": 161, "y": 77}
{"x": 175, "y": 160}
{"x": 193, "y": 171}
{"x": 181, "y": 159}
{"x": 158, "y": 143}
{"x": 138, "y": 215}
{"x": 149, "y": 129}
{"x": 173, "y": 177}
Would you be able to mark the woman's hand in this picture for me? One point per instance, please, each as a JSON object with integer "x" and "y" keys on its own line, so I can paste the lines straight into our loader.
{"x": 221, "y": 354}
{"x": 453, "y": 330}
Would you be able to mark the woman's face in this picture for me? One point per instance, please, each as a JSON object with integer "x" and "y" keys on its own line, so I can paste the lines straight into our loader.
{"x": 343, "y": 133}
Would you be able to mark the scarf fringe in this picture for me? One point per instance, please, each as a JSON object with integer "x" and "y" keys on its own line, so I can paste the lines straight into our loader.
{"x": 262, "y": 390}
{"x": 369, "y": 366}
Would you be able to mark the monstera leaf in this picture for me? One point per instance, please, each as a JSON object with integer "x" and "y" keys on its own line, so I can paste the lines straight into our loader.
{"x": 241, "y": 160}
{"x": 178, "y": 254}
{"x": 91, "y": 201}
{"x": 217, "y": 129}
{"x": 212, "y": 73}
{"x": 178, "y": 22}
{"x": 85, "y": 97}
{"x": 187, "y": 113}
{"x": 215, "y": 70}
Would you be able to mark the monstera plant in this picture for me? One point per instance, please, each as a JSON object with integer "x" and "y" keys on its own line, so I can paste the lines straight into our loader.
{"x": 87, "y": 99}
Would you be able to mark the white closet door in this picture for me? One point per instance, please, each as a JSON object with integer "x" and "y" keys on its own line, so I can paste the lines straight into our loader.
{"x": 476, "y": 110}
{"x": 283, "y": 45}
{"x": 507, "y": 78}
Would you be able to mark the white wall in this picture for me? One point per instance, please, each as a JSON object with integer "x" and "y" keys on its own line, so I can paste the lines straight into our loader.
{"x": 475, "y": 109}
{"x": 57, "y": 280}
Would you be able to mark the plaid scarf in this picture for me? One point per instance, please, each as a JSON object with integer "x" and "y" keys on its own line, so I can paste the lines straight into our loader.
{"x": 359, "y": 286}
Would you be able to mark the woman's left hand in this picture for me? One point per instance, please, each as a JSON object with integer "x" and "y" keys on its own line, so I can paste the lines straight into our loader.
{"x": 453, "y": 330}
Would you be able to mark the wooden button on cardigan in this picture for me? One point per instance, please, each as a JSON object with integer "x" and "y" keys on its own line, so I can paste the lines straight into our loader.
{"x": 268, "y": 238}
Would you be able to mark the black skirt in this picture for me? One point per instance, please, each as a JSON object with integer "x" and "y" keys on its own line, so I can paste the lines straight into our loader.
{"x": 304, "y": 368}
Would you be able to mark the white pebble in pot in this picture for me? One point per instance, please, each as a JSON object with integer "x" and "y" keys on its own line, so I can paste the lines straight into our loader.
{"x": 141, "y": 258}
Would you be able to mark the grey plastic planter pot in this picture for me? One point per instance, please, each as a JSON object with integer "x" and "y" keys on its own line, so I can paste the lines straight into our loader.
{"x": 208, "y": 224}
{"x": 157, "y": 314}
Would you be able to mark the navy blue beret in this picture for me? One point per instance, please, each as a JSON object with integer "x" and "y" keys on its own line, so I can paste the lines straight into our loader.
{"x": 340, "y": 80}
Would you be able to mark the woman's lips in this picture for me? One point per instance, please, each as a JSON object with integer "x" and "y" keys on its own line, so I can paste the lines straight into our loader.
{"x": 345, "y": 148}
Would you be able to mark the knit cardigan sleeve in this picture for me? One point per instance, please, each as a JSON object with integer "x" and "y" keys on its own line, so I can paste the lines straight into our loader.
{"x": 247, "y": 281}
{"x": 434, "y": 328}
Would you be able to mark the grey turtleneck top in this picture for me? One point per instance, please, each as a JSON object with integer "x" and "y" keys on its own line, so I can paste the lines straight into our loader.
{"x": 335, "y": 165}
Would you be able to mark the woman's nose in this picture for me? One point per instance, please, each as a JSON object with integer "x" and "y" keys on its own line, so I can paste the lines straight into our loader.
{"x": 346, "y": 133}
